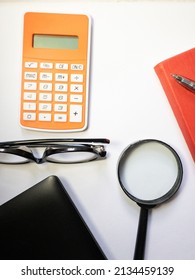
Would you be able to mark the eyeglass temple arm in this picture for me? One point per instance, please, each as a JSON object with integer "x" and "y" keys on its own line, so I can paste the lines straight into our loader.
{"x": 54, "y": 140}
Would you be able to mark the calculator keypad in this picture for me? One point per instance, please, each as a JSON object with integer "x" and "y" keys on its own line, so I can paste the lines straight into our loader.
{"x": 54, "y": 95}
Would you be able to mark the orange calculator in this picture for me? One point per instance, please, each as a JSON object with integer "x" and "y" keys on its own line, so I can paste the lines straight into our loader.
{"x": 55, "y": 72}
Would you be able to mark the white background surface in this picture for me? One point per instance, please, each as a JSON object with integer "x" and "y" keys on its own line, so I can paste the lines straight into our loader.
{"x": 127, "y": 103}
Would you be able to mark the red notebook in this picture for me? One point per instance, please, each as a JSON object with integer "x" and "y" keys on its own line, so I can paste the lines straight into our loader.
{"x": 181, "y": 99}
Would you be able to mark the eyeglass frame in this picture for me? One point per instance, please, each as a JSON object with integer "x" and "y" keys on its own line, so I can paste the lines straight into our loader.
{"x": 52, "y": 147}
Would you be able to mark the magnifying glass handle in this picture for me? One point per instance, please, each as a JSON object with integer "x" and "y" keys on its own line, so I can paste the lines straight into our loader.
{"x": 141, "y": 234}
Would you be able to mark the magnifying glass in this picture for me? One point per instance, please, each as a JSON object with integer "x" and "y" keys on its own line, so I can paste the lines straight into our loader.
{"x": 149, "y": 172}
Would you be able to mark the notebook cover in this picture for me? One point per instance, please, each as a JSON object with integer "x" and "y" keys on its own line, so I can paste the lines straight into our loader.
{"x": 181, "y": 99}
{"x": 43, "y": 223}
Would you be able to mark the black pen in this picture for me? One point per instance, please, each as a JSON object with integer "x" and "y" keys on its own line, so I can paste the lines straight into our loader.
{"x": 185, "y": 82}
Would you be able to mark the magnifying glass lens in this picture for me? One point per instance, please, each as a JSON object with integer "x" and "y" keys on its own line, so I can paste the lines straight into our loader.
{"x": 149, "y": 170}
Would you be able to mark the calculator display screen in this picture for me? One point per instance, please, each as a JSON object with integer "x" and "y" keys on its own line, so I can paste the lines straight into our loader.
{"x": 55, "y": 42}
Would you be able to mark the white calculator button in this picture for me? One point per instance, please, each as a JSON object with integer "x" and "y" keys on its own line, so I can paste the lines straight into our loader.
{"x": 60, "y": 107}
{"x": 31, "y": 65}
{"x": 75, "y": 113}
{"x": 45, "y": 86}
{"x": 76, "y": 98}
{"x": 29, "y": 106}
{"x": 45, "y": 76}
{"x": 30, "y": 86}
{"x": 60, "y": 117}
{"x": 45, "y": 96}
{"x": 44, "y": 107}
{"x": 77, "y": 78}
{"x": 62, "y": 66}
{"x": 46, "y": 65}
{"x": 44, "y": 117}
{"x": 61, "y": 77}
{"x": 29, "y": 116}
{"x": 61, "y": 87}
{"x": 76, "y": 88}
{"x": 76, "y": 67}
{"x": 30, "y": 95}
{"x": 61, "y": 97}
{"x": 30, "y": 75}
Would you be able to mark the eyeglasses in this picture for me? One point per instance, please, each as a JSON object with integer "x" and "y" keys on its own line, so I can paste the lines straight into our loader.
{"x": 59, "y": 150}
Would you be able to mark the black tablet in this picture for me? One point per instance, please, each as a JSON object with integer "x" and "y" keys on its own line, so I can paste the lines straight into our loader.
{"x": 43, "y": 223}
